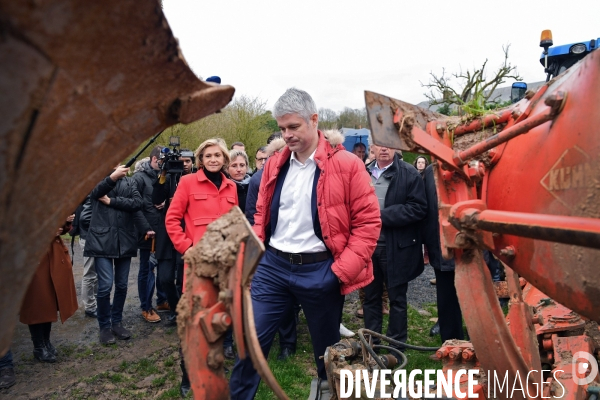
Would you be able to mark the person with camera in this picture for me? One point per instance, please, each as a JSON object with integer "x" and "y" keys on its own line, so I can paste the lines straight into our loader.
{"x": 112, "y": 241}
{"x": 170, "y": 264}
{"x": 144, "y": 179}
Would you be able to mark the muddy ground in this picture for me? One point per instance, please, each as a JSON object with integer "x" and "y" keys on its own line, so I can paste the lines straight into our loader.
{"x": 146, "y": 366}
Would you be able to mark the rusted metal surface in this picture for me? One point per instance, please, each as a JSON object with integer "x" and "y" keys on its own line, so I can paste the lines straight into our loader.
{"x": 579, "y": 231}
{"x": 493, "y": 341}
{"x": 565, "y": 366}
{"x": 525, "y": 126}
{"x": 521, "y": 324}
{"x": 458, "y": 355}
{"x": 381, "y": 119}
{"x": 486, "y": 121}
{"x": 82, "y": 84}
{"x": 351, "y": 355}
{"x": 214, "y": 299}
{"x": 540, "y": 195}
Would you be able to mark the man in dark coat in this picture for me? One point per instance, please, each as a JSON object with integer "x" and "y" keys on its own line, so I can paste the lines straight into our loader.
{"x": 398, "y": 257}
{"x": 112, "y": 241}
{"x": 449, "y": 314}
{"x": 144, "y": 179}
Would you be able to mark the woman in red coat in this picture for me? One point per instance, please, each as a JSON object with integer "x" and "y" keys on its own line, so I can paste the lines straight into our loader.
{"x": 200, "y": 199}
{"x": 52, "y": 290}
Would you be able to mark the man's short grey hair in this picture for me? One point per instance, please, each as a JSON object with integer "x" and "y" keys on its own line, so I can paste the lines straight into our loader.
{"x": 295, "y": 101}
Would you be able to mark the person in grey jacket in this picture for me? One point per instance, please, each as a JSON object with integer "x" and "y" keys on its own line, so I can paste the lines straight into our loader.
{"x": 112, "y": 241}
{"x": 398, "y": 258}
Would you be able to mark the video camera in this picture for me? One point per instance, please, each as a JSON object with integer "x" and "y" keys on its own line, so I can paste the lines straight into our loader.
{"x": 170, "y": 158}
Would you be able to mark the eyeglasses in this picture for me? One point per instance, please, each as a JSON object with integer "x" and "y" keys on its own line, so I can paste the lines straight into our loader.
{"x": 261, "y": 159}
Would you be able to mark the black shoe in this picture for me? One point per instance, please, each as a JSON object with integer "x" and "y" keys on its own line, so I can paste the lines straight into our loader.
{"x": 228, "y": 352}
{"x": 91, "y": 314}
{"x": 184, "y": 387}
{"x": 51, "y": 348}
{"x": 42, "y": 354}
{"x": 435, "y": 330}
{"x": 7, "y": 378}
{"x": 120, "y": 332}
{"x": 106, "y": 336}
{"x": 285, "y": 353}
{"x": 171, "y": 320}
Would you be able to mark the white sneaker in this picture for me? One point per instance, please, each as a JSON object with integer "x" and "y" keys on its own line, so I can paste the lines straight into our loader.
{"x": 345, "y": 331}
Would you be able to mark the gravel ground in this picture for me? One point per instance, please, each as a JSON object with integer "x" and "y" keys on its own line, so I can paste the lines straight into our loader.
{"x": 420, "y": 291}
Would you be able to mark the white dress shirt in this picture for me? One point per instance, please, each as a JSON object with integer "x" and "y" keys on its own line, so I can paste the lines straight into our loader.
{"x": 376, "y": 171}
{"x": 295, "y": 232}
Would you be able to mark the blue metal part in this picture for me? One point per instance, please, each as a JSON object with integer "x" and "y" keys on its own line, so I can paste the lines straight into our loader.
{"x": 564, "y": 50}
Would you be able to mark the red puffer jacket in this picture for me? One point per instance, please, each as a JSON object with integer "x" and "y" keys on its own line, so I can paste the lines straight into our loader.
{"x": 198, "y": 202}
{"x": 347, "y": 206}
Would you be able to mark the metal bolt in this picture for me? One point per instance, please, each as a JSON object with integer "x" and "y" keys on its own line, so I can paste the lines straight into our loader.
{"x": 441, "y": 353}
{"x": 379, "y": 118}
{"x": 454, "y": 354}
{"x": 221, "y": 321}
{"x": 508, "y": 251}
{"x": 461, "y": 240}
{"x": 538, "y": 319}
{"x": 555, "y": 100}
{"x": 529, "y": 94}
{"x": 468, "y": 354}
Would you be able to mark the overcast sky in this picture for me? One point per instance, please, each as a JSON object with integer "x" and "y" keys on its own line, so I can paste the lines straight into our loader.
{"x": 337, "y": 49}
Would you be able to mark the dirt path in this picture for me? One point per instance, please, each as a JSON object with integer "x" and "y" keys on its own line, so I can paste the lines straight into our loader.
{"x": 82, "y": 359}
{"x": 146, "y": 366}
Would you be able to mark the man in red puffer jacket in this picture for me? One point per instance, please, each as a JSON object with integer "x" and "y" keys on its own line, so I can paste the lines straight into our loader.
{"x": 319, "y": 218}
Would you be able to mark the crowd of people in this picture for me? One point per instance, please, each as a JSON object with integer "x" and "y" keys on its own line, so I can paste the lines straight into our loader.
{"x": 332, "y": 221}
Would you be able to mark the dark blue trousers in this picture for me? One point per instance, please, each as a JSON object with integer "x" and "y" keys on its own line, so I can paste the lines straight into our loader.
{"x": 275, "y": 285}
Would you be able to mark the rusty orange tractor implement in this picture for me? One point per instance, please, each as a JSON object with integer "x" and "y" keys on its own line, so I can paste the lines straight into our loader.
{"x": 523, "y": 182}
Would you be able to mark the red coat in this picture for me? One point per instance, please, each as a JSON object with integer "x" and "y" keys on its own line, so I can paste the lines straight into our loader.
{"x": 52, "y": 288}
{"x": 198, "y": 202}
{"x": 347, "y": 206}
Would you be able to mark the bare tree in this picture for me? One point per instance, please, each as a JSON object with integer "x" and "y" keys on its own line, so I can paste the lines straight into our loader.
{"x": 353, "y": 118}
{"x": 473, "y": 86}
{"x": 328, "y": 119}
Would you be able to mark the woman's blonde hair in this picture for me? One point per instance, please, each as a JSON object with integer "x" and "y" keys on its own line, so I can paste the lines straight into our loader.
{"x": 233, "y": 154}
{"x": 199, "y": 153}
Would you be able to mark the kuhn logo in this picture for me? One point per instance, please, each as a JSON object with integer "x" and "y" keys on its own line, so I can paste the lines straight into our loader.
{"x": 573, "y": 170}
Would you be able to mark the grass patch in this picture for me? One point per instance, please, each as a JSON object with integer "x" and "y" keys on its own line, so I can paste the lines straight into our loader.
{"x": 145, "y": 367}
{"x": 66, "y": 350}
{"x": 295, "y": 374}
{"x": 116, "y": 378}
{"x": 159, "y": 381}
{"x": 87, "y": 352}
{"x": 172, "y": 393}
{"x": 169, "y": 362}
